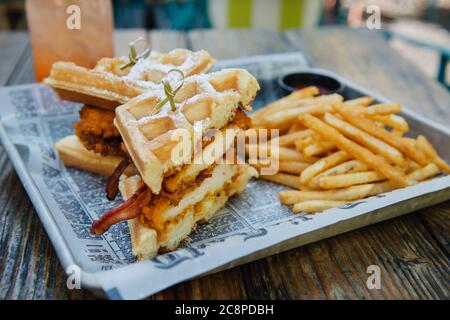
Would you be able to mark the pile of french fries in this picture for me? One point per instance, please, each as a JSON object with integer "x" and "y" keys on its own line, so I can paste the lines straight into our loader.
{"x": 335, "y": 152}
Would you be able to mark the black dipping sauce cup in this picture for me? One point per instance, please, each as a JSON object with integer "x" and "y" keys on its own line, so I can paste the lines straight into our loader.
{"x": 326, "y": 83}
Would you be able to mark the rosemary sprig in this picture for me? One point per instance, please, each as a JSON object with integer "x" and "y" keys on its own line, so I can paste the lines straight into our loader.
{"x": 169, "y": 92}
{"x": 133, "y": 56}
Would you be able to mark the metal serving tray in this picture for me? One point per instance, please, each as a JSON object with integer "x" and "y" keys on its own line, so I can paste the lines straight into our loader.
{"x": 208, "y": 251}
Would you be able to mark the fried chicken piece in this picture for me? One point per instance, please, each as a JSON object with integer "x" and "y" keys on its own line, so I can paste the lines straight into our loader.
{"x": 97, "y": 132}
{"x": 106, "y": 147}
{"x": 167, "y": 198}
{"x": 96, "y": 121}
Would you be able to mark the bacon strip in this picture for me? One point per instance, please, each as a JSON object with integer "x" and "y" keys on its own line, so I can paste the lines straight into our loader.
{"x": 127, "y": 210}
{"x": 112, "y": 185}
{"x": 202, "y": 176}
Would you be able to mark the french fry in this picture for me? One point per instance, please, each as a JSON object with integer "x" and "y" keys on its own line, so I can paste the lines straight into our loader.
{"x": 360, "y": 102}
{"x": 290, "y": 167}
{"x": 282, "y": 118}
{"x": 307, "y": 92}
{"x": 367, "y": 153}
{"x": 349, "y": 179}
{"x": 345, "y": 195}
{"x": 424, "y": 173}
{"x": 388, "y": 137}
{"x": 431, "y": 152}
{"x": 289, "y": 139}
{"x": 418, "y": 175}
{"x": 361, "y": 137}
{"x": 303, "y": 143}
{"x": 286, "y": 154}
{"x": 318, "y": 148}
{"x": 289, "y": 197}
{"x": 397, "y": 123}
{"x": 316, "y": 205}
{"x": 293, "y": 167}
{"x": 258, "y": 164}
{"x": 284, "y": 103}
{"x": 283, "y": 154}
{"x": 412, "y": 165}
{"x": 296, "y": 127}
{"x": 292, "y": 181}
{"x": 358, "y": 167}
{"x": 322, "y": 165}
{"x": 380, "y": 109}
{"x": 345, "y": 167}
{"x": 375, "y": 162}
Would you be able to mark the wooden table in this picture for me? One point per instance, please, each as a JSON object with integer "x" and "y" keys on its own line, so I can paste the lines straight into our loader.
{"x": 412, "y": 251}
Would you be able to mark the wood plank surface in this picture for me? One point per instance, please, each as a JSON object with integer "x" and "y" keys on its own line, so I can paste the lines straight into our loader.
{"x": 12, "y": 49}
{"x": 411, "y": 251}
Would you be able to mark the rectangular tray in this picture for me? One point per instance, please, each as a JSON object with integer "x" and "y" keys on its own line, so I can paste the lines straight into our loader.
{"x": 127, "y": 281}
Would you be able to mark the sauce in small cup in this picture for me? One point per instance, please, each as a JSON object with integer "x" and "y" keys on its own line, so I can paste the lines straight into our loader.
{"x": 299, "y": 80}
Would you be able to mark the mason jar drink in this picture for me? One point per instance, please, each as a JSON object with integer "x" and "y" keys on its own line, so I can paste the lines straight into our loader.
{"x": 69, "y": 30}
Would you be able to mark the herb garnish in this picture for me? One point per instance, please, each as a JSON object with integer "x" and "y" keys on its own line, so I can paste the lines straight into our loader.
{"x": 133, "y": 56}
{"x": 169, "y": 92}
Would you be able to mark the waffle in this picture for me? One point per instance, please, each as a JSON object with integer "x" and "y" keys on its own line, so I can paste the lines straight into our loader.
{"x": 107, "y": 86}
{"x": 73, "y": 153}
{"x": 199, "y": 206}
{"x": 205, "y": 101}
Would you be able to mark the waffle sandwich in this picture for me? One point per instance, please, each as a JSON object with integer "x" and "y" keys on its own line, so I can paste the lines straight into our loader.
{"x": 173, "y": 191}
{"x": 107, "y": 85}
{"x": 97, "y": 145}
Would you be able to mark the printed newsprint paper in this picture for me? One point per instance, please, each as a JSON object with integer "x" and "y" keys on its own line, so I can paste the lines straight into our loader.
{"x": 35, "y": 118}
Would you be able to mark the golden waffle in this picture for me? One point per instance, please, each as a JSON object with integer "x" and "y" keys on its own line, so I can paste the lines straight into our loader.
{"x": 107, "y": 86}
{"x": 73, "y": 153}
{"x": 205, "y": 101}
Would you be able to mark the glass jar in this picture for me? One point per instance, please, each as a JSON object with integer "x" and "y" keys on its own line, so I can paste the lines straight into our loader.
{"x": 80, "y": 31}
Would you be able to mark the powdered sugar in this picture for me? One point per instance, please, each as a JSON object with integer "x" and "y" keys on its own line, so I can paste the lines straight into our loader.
{"x": 158, "y": 66}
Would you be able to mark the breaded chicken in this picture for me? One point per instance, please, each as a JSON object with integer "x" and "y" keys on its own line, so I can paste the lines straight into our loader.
{"x": 97, "y": 132}
{"x": 97, "y": 121}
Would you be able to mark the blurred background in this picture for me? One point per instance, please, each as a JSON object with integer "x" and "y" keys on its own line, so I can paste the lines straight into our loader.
{"x": 418, "y": 29}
